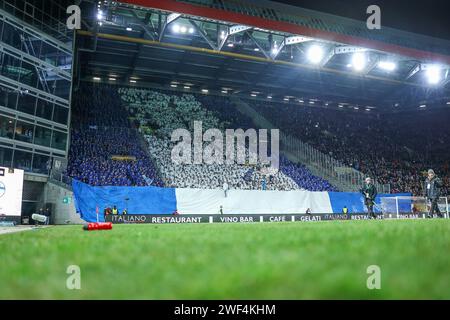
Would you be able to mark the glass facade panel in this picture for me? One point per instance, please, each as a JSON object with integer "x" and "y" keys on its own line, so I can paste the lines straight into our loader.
{"x": 42, "y": 136}
{"x": 26, "y": 103}
{"x": 11, "y": 67}
{"x": 61, "y": 114}
{"x": 41, "y": 164}
{"x": 59, "y": 140}
{"x": 7, "y": 127}
{"x": 8, "y": 98}
{"x": 6, "y": 157}
{"x": 22, "y": 160}
{"x": 44, "y": 109}
{"x": 24, "y": 131}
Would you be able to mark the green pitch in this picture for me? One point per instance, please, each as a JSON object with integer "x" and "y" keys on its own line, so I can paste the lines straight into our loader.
{"x": 231, "y": 261}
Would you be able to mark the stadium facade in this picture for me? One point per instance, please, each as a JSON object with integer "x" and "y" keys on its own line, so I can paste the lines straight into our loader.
{"x": 35, "y": 87}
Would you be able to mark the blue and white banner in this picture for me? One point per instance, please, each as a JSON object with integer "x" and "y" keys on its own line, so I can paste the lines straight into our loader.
{"x": 137, "y": 200}
{"x": 162, "y": 201}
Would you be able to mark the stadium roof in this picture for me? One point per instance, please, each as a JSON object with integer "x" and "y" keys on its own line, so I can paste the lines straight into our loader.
{"x": 264, "y": 49}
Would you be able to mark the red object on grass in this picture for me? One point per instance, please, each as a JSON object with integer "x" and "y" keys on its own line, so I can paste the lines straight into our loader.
{"x": 97, "y": 226}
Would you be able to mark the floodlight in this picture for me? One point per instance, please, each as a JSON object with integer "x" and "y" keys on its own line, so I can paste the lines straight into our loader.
{"x": 387, "y": 65}
{"x": 315, "y": 54}
{"x": 183, "y": 29}
{"x": 100, "y": 15}
{"x": 176, "y": 28}
{"x": 433, "y": 74}
{"x": 359, "y": 61}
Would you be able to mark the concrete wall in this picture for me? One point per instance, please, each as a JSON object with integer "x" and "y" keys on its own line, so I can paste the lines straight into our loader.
{"x": 63, "y": 213}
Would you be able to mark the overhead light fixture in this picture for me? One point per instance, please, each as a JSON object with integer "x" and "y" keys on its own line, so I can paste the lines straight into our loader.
{"x": 256, "y": 49}
{"x": 301, "y": 101}
{"x": 191, "y": 30}
{"x": 423, "y": 106}
{"x": 176, "y": 28}
{"x": 253, "y": 94}
{"x": 231, "y": 45}
{"x": 448, "y": 103}
{"x": 222, "y": 35}
{"x": 341, "y": 106}
{"x": 100, "y": 15}
{"x": 367, "y": 109}
{"x": 274, "y": 48}
{"x": 286, "y": 99}
{"x": 112, "y": 79}
{"x": 129, "y": 29}
{"x": 315, "y": 54}
{"x": 173, "y": 85}
{"x": 187, "y": 87}
{"x": 269, "y": 97}
{"x": 387, "y": 65}
{"x": 183, "y": 29}
{"x": 359, "y": 61}
{"x": 133, "y": 81}
{"x": 356, "y": 108}
{"x": 433, "y": 74}
{"x": 311, "y": 102}
{"x": 224, "y": 91}
{"x": 97, "y": 78}
{"x": 205, "y": 90}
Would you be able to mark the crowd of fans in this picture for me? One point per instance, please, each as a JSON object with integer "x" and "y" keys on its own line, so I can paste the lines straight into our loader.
{"x": 161, "y": 112}
{"x": 396, "y": 149}
{"x": 105, "y": 149}
{"x": 393, "y": 148}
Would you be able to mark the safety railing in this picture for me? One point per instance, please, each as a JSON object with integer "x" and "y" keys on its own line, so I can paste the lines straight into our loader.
{"x": 326, "y": 166}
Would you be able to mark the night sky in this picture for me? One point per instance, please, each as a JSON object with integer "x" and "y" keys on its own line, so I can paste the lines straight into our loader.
{"x": 431, "y": 17}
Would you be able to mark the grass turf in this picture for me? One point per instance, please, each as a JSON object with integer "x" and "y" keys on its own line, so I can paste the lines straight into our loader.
{"x": 231, "y": 261}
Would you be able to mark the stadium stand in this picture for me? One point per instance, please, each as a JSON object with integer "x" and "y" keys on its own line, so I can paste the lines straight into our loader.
{"x": 387, "y": 147}
{"x": 384, "y": 147}
{"x": 161, "y": 112}
{"x": 105, "y": 149}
